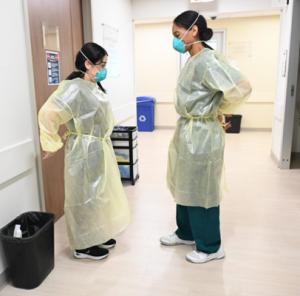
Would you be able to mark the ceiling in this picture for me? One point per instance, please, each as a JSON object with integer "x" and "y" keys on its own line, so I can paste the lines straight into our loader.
{"x": 219, "y": 16}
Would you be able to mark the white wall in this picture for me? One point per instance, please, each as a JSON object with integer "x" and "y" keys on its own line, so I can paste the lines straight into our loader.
{"x": 282, "y": 82}
{"x": 156, "y": 65}
{"x": 145, "y": 9}
{"x": 121, "y": 90}
{"x": 18, "y": 173}
{"x": 260, "y": 68}
{"x": 161, "y": 63}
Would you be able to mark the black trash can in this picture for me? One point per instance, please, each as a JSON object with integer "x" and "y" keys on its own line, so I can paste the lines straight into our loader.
{"x": 235, "y": 122}
{"x": 31, "y": 258}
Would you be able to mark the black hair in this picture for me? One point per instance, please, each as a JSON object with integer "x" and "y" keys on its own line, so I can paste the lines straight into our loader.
{"x": 187, "y": 18}
{"x": 94, "y": 53}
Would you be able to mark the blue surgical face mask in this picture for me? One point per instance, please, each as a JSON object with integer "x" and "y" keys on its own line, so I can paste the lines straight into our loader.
{"x": 101, "y": 75}
{"x": 179, "y": 45}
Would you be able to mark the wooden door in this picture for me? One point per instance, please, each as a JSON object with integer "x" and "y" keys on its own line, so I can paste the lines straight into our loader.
{"x": 67, "y": 15}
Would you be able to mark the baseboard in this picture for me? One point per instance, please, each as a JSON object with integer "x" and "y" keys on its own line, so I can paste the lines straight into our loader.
{"x": 165, "y": 127}
{"x": 4, "y": 279}
{"x": 252, "y": 129}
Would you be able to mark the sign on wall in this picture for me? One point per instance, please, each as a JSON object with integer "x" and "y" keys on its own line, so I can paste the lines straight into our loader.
{"x": 111, "y": 45}
{"x": 53, "y": 71}
{"x": 239, "y": 50}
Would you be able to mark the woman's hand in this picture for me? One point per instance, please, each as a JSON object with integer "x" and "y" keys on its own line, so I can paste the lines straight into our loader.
{"x": 225, "y": 126}
{"x": 48, "y": 154}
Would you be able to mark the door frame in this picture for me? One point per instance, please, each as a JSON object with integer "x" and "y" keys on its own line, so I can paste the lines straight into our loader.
{"x": 224, "y": 31}
{"x": 292, "y": 81}
{"x": 75, "y": 7}
{"x": 30, "y": 76}
{"x": 182, "y": 57}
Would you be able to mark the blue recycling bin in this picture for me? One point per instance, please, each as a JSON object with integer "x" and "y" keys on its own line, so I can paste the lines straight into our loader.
{"x": 145, "y": 113}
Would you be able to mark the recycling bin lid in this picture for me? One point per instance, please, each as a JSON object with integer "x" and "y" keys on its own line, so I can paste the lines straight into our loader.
{"x": 151, "y": 99}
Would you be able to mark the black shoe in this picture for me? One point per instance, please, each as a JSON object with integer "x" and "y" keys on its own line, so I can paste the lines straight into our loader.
{"x": 108, "y": 245}
{"x": 94, "y": 253}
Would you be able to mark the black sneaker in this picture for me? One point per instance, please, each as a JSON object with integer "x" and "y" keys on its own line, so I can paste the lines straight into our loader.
{"x": 108, "y": 245}
{"x": 93, "y": 253}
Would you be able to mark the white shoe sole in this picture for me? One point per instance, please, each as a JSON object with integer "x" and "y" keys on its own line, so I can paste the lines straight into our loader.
{"x": 201, "y": 262}
{"x": 106, "y": 246}
{"x": 176, "y": 244}
{"x": 86, "y": 256}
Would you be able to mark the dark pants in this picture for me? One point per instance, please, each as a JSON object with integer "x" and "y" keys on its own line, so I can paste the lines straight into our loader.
{"x": 201, "y": 225}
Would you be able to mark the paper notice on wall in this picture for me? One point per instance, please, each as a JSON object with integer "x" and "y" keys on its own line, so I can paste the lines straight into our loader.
{"x": 239, "y": 50}
{"x": 111, "y": 45}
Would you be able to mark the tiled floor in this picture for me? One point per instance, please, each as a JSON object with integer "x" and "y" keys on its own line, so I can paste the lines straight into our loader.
{"x": 260, "y": 221}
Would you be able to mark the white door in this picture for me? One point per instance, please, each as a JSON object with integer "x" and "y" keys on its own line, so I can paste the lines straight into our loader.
{"x": 284, "y": 108}
{"x": 218, "y": 41}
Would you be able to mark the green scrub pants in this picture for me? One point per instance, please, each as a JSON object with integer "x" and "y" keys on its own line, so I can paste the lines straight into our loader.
{"x": 201, "y": 225}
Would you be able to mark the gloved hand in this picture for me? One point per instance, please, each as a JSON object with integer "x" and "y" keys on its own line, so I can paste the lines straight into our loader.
{"x": 221, "y": 118}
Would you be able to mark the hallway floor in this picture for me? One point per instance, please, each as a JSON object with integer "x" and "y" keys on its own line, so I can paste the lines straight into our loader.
{"x": 260, "y": 223}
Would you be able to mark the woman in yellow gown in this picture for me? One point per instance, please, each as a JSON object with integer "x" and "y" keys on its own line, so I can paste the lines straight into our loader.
{"x": 207, "y": 88}
{"x": 96, "y": 207}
